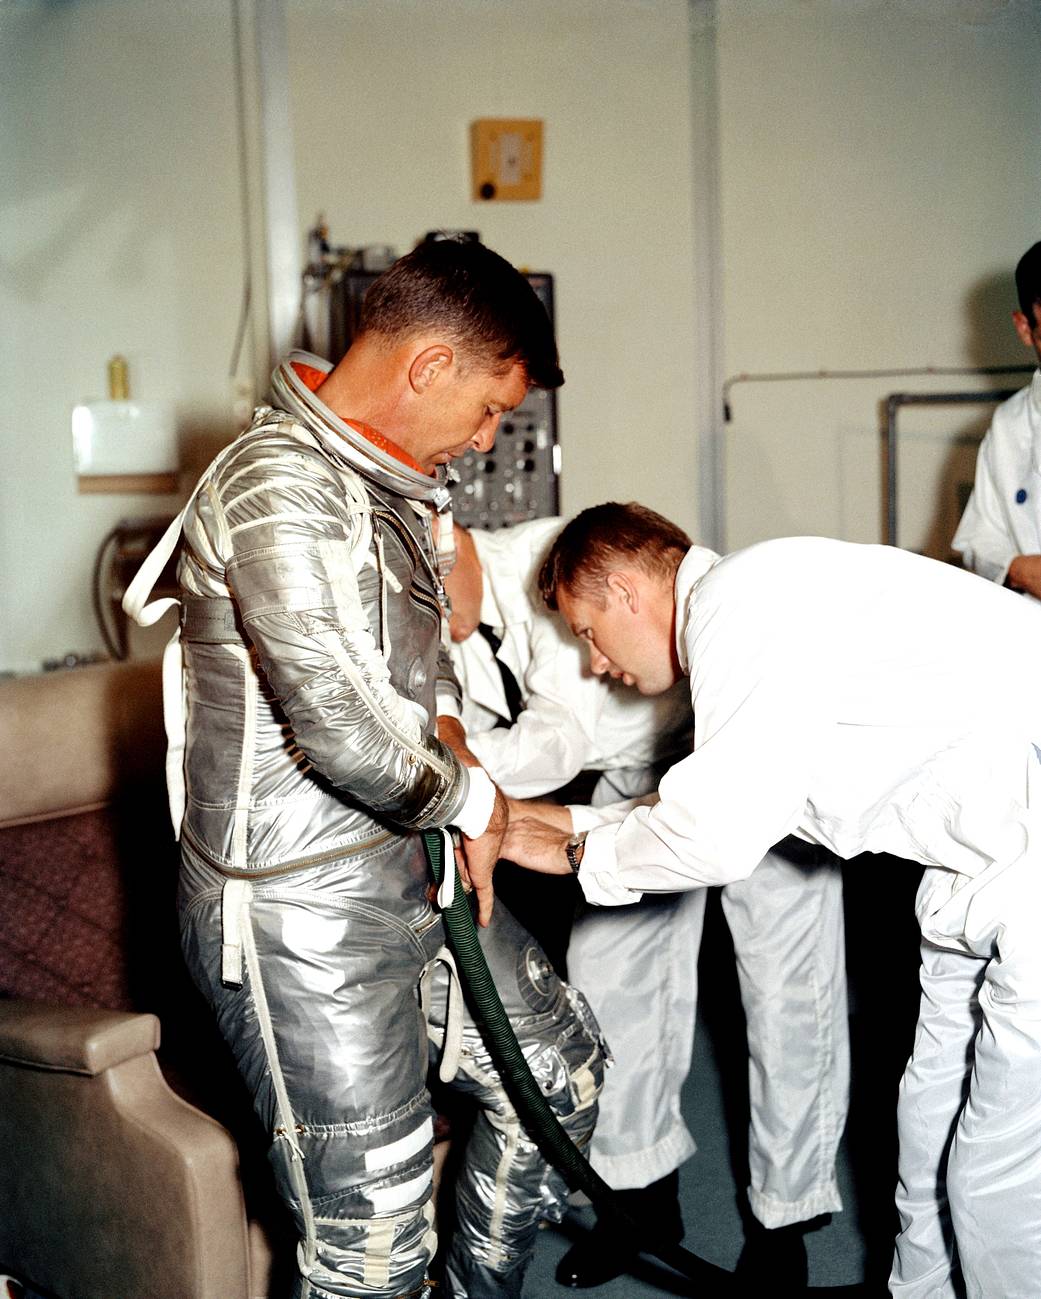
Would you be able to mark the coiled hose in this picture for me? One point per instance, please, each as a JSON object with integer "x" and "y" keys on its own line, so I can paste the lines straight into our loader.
{"x": 531, "y": 1105}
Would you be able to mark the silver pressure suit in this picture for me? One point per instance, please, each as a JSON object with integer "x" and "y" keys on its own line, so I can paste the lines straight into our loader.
{"x": 311, "y": 629}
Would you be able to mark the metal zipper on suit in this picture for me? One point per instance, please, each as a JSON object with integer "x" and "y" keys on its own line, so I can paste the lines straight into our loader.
{"x": 404, "y": 535}
{"x": 301, "y": 863}
{"x": 377, "y": 536}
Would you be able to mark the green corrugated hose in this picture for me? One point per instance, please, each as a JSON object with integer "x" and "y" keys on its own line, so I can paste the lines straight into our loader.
{"x": 531, "y": 1105}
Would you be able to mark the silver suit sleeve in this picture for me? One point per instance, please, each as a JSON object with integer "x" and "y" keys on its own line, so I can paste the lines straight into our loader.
{"x": 298, "y": 565}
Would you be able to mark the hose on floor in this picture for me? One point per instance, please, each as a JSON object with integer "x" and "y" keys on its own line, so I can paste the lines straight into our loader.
{"x": 531, "y": 1105}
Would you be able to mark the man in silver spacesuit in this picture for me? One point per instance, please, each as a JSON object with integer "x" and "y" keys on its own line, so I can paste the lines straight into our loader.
{"x": 311, "y": 632}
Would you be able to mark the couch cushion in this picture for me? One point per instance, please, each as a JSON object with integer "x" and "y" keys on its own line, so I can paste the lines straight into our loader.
{"x": 71, "y": 738}
{"x": 64, "y": 909}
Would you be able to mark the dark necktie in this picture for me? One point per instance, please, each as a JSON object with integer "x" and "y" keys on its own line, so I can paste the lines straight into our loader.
{"x": 514, "y": 700}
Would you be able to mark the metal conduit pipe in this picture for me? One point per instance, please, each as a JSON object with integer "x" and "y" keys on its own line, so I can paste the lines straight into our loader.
{"x": 893, "y": 403}
{"x": 788, "y": 376}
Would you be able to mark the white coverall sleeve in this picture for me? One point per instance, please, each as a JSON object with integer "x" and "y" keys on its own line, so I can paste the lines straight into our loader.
{"x": 447, "y": 692}
{"x": 585, "y": 817}
{"x": 757, "y": 711}
{"x": 552, "y": 739}
{"x": 448, "y": 705}
{"x": 983, "y": 537}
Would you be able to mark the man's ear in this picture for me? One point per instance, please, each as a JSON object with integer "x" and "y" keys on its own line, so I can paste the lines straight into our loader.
{"x": 625, "y": 590}
{"x": 1023, "y": 328}
{"x": 429, "y": 365}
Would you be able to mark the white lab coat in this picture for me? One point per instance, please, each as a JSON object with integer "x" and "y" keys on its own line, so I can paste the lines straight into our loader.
{"x": 1003, "y": 516}
{"x": 854, "y": 731}
{"x": 573, "y": 721}
{"x": 872, "y": 700}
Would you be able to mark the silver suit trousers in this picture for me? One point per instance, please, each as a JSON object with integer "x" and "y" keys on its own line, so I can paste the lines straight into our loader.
{"x": 316, "y": 978}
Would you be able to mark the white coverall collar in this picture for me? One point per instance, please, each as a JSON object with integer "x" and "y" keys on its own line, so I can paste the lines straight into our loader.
{"x": 695, "y": 564}
{"x": 1035, "y": 391}
{"x": 1033, "y": 394}
{"x": 491, "y": 612}
{"x": 506, "y": 563}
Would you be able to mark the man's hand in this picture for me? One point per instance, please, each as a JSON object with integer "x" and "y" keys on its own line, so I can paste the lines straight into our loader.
{"x": 539, "y": 809}
{"x": 538, "y": 846}
{"x": 477, "y": 857}
{"x": 450, "y": 731}
{"x": 1024, "y": 574}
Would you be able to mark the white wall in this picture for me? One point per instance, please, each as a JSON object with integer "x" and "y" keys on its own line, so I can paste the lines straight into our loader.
{"x": 879, "y": 164}
{"x": 121, "y": 228}
{"x": 880, "y": 178}
{"x": 119, "y": 232}
{"x": 383, "y": 97}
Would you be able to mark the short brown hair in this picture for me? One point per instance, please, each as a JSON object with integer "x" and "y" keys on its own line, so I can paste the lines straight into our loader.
{"x": 482, "y": 303}
{"x": 600, "y": 538}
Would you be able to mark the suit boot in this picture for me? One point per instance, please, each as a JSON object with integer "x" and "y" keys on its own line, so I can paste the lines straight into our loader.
{"x": 612, "y": 1246}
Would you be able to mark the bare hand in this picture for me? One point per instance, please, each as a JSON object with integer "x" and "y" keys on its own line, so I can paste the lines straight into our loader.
{"x": 478, "y": 856}
{"x": 1024, "y": 574}
{"x": 537, "y": 846}
{"x": 539, "y": 809}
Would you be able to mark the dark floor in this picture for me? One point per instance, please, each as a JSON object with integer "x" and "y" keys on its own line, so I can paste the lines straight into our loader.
{"x": 855, "y": 1247}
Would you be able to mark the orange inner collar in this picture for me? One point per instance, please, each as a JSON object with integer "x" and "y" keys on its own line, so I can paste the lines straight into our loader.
{"x": 313, "y": 378}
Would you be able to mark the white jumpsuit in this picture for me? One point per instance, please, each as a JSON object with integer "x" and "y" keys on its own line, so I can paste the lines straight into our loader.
{"x": 902, "y": 721}
{"x": 1003, "y": 516}
{"x": 798, "y": 1077}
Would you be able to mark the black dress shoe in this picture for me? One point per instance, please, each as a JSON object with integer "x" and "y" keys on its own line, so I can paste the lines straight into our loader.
{"x": 775, "y": 1258}
{"x": 611, "y": 1248}
{"x": 594, "y": 1260}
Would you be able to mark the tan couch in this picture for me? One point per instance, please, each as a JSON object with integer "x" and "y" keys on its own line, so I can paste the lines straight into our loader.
{"x": 114, "y": 1183}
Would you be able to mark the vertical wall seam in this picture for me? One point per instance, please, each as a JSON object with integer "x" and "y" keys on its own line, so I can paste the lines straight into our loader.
{"x": 708, "y": 273}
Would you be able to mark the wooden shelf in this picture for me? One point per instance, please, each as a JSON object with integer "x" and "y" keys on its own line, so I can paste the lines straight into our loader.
{"x": 154, "y": 484}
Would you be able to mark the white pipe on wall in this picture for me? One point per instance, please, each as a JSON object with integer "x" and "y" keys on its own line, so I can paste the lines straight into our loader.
{"x": 708, "y": 296}
{"x": 271, "y": 223}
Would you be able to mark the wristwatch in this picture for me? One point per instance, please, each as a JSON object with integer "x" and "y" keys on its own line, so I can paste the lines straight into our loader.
{"x": 574, "y": 849}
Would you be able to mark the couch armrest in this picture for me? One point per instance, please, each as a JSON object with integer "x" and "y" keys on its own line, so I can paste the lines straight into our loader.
{"x": 69, "y": 1039}
{"x": 111, "y": 1184}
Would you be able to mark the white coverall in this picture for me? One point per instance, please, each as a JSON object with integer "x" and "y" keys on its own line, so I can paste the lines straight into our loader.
{"x": 573, "y": 721}
{"x": 1003, "y": 516}
{"x": 902, "y": 721}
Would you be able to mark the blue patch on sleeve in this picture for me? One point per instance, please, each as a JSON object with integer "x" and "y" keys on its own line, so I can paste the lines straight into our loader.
{"x": 1021, "y": 496}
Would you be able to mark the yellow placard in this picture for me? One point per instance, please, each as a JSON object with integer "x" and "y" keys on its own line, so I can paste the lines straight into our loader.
{"x": 506, "y": 156}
